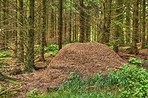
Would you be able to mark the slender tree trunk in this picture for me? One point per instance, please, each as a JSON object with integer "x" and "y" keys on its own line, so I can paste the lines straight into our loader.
{"x": 60, "y": 24}
{"x": 70, "y": 23}
{"x": 102, "y": 23}
{"x": 4, "y": 32}
{"x": 144, "y": 24}
{"x": 0, "y": 24}
{"x": 55, "y": 24}
{"x": 128, "y": 22}
{"x": 39, "y": 29}
{"x": 75, "y": 31}
{"x": 87, "y": 24}
{"x": 43, "y": 30}
{"x": 29, "y": 66}
{"x": 6, "y": 24}
{"x": 75, "y": 27}
{"x": 139, "y": 39}
{"x": 121, "y": 22}
{"x": 19, "y": 31}
{"x": 65, "y": 28}
{"x": 108, "y": 20}
{"x": 118, "y": 28}
{"x": 81, "y": 21}
{"x": 52, "y": 22}
{"x": 135, "y": 27}
{"x": 15, "y": 35}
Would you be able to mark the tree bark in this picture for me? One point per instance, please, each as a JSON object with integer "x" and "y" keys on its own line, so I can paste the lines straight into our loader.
{"x": 60, "y": 24}
{"x": 81, "y": 21}
{"x": 20, "y": 41}
{"x": 4, "y": 23}
{"x": 52, "y": 22}
{"x": 117, "y": 29}
{"x": 144, "y": 24}
{"x": 135, "y": 27}
{"x": 29, "y": 65}
{"x": 128, "y": 22}
{"x": 43, "y": 30}
{"x": 70, "y": 23}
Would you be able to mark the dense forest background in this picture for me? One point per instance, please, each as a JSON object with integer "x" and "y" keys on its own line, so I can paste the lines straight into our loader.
{"x": 27, "y": 24}
{"x": 73, "y": 48}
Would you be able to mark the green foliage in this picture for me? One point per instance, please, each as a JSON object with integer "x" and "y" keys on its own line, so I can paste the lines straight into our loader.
{"x": 33, "y": 94}
{"x": 136, "y": 61}
{"x": 5, "y": 54}
{"x": 53, "y": 48}
{"x": 133, "y": 81}
{"x": 127, "y": 82}
{"x": 111, "y": 47}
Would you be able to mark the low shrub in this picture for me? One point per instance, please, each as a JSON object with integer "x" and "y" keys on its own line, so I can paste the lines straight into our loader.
{"x": 51, "y": 48}
{"x": 136, "y": 61}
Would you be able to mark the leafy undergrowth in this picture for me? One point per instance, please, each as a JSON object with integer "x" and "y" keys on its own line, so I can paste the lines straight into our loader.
{"x": 126, "y": 82}
{"x": 136, "y": 61}
{"x": 5, "y": 54}
{"x": 53, "y": 48}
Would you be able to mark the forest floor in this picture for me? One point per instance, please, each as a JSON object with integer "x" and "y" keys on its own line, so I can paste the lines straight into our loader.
{"x": 15, "y": 88}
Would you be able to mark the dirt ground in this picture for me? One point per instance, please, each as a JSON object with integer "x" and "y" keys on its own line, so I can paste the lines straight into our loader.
{"x": 84, "y": 59}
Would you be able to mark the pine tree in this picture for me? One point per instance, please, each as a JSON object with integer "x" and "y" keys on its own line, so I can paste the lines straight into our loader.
{"x": 20, "y": 47}
{"x": 144, "y": 24}
{"x": 43, "y": 30}
{"x": 81, "y": 21}
{"x": 135, "y": 27}
{"x": 29, "y": 65}
{"x": 60, "y": 24}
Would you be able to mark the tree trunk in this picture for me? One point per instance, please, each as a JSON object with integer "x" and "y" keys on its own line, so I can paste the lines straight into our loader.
{"x": 108, "y": 20}
{"x": 4, "y": 23}
{"x": 118, "y": 29}
{"x": 55, "y": 24}
{"x": 20, "y": 41}
{"x": 70, "y": 23}
{"x": 0, "y": 24}
{"x": 65, "y": 28}
{"x": 60, "y": 24}
{"x": 52, "y": 22}
{"x": 81, "y": 21}
{"x": 43, "y": 30}
{"x": 120, "y": 5}
{"x": 128, "y": 23}
{"x": 144, "y": 23}
{"x": 87, "y": 24}
{"x": 29, "y": 66}
{"x": 102, "y": 23}
{"x": 135, "y": 27}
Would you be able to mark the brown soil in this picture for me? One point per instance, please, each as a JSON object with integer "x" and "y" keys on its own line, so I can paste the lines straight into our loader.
{"x": 82, "y": 58}
{"x": 144, "y": 52}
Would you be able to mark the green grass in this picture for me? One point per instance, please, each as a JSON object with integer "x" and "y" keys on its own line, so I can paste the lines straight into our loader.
{"x": 127, "y": 82}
